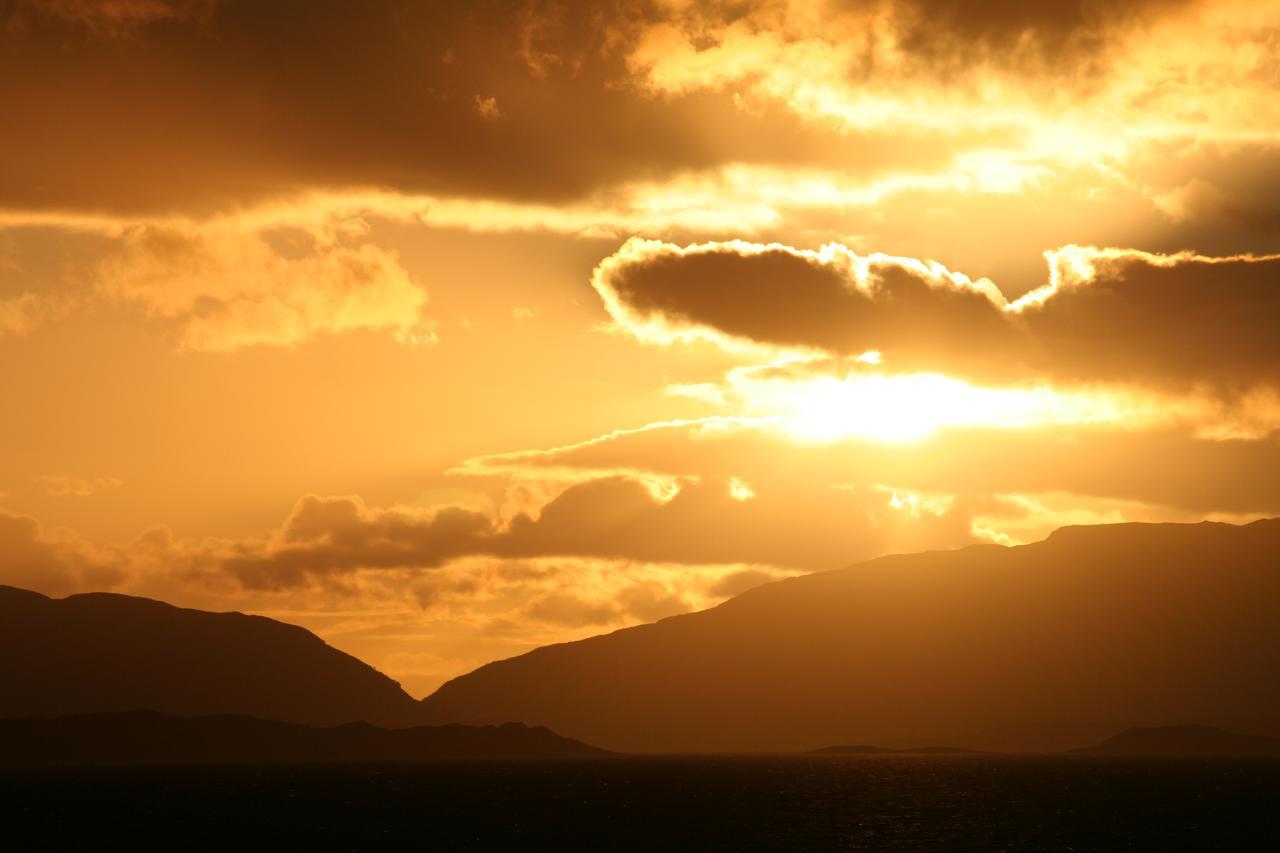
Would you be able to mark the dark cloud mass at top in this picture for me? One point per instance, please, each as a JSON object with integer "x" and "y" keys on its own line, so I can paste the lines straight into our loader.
{"x": 216, "y": 103}
{"x": 248, "y": 100}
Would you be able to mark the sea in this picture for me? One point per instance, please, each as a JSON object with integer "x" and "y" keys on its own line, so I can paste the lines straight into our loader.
{"x": 731, "y": 803}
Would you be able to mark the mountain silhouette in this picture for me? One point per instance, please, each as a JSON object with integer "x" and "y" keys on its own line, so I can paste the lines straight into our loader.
{"x": 1037, "y": 647}
{"x": 1183, "y": 741}
{"x": 146, "y": 737}
{"x": 101, "y": 652}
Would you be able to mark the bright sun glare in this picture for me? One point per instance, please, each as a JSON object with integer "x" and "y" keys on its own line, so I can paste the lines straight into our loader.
{"x": 915, "y": 407}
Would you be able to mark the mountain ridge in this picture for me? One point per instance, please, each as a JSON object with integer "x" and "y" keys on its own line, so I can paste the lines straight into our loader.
{"x": 1030, "y": 648}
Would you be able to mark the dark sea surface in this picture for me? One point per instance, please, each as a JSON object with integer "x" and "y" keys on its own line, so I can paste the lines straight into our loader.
{"x": 663, "y": 803}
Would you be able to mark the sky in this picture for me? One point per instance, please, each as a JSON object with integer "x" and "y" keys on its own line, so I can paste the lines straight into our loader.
{"x": 448, "y": 330}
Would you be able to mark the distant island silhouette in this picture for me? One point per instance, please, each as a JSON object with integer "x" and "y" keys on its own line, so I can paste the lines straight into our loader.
{"x": 881, "y": 750}
{"x": 1034, "y": 648}
{"x": 147, "y": 737}
{"x": 1182, "y": 741}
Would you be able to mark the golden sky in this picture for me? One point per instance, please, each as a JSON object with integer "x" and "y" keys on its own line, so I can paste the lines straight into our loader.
{"x": 451, "y": 329}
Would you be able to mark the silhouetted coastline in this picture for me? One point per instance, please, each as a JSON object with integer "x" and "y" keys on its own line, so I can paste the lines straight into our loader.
{"x": 147, "y": 737}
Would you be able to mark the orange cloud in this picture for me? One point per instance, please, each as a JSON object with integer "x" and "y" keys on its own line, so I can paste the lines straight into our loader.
{"x": 1104, "y": 462}
{"x": 123, "y": 17}
{"x": 19, "y": 314}
{"x": 64, "y": 485}
{"x": 806, "y": 526}
{"x": 32, "y": 559}
{"x": 230, "y": 288}
{"x": 1060, "y": 80}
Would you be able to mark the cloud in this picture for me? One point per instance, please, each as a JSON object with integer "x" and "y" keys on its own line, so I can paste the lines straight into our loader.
{"x": 785, "y": 120}
{"x": 249, "y": 102}
{"x": 230, "y": 287}
{"x": 19, "y": 314}
{"x": 116, "y": 18}
{"x": 336, "y": 534}
{"x": 1098, "y": 101}
{"x": 740, "y": 582}
{"x": 802, "y": 525}
{"x": 1215, "y": 194}
{"x": 31, "y": 559}
{"x": 568, "y": 609}
{"x": 218, "y": 105}
{"x": 27, "y": 560}
{"x": 830, "y": 300}
{"x": 282, "y": 271}
{"x": 602, "y": 553}
{"x": 806, "y": 526}
{"x": 962, "y": 64}
{"x": 636, "y": 602}
{"x": 65, "y": 485}
{"x": 1105, "y": 314}
{"x": 1106, "y": 462}
{"x": 1015, "y": 32}
{"x": 1110, "y": 313}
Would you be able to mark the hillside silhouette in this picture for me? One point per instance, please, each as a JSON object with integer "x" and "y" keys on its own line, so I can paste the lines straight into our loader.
{"x": 146, "y": 737}
{"x": 102, "y": 652}
{"x": 1038, "y": 647}
{"x": 1183, "y": 741}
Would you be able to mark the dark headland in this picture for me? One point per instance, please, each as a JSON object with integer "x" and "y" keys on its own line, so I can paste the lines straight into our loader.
{"x": 113, "y": 679}
{"x": 1177, "y": 741}
{"x": 97, "y": 652}
{"x": 146, "y": 737}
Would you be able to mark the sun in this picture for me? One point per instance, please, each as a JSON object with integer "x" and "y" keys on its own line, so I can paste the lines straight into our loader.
{"x": 879, "y": 408}
{"x": 914, "y": 407}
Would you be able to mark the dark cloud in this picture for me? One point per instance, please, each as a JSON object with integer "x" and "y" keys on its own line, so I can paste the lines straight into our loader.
{"x": 1218, "y": 198}
{"x": 800, "y": 524}
{"x": 807, "y": 526}
{"x": 1139, "y": 319}
{"x": 944, "y": 43}
{"x": 336, "y": 535}
{"x": 831, "y": 301}
{"x": 1108, "y": 315}
{"x": 950, "y": 34}
{"x": 496, "y": 98}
